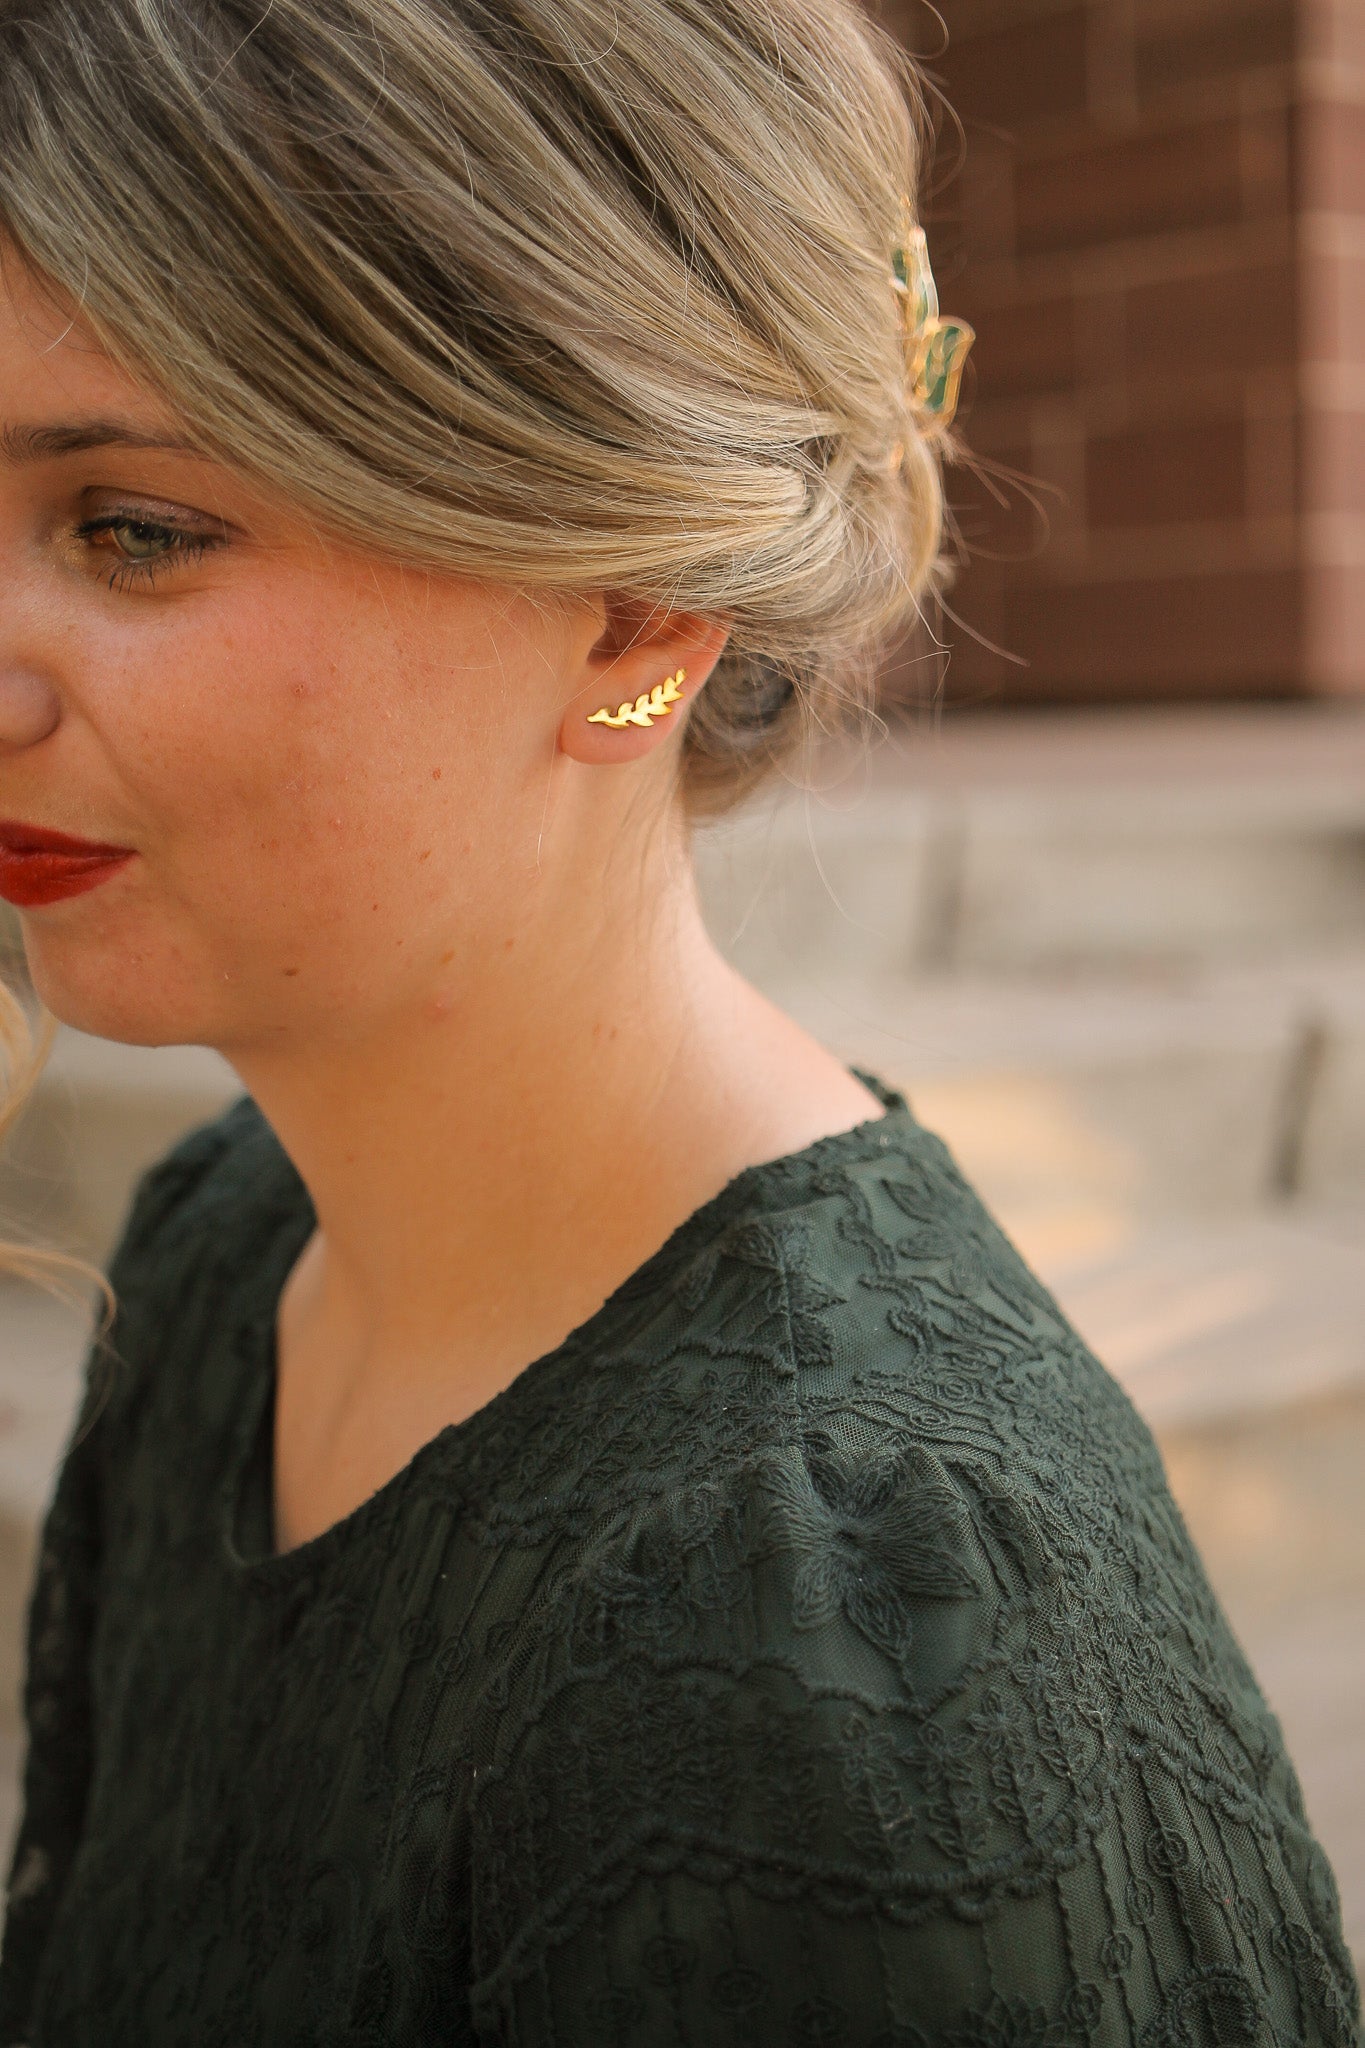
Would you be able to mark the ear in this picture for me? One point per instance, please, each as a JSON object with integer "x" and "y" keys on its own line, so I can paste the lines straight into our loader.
{"x": 635, "y": 659}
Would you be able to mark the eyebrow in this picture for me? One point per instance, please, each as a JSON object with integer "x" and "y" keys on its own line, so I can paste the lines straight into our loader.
{"x": 39, "y": 443}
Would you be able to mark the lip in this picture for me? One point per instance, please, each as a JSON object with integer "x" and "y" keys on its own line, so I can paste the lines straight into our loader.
{"x": 38, "y": 865}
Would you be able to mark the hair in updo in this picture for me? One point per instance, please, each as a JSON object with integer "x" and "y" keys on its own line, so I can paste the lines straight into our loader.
{"x": 578, "y": 294}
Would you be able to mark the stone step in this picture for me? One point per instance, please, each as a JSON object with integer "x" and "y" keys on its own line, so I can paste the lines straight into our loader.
{"x": 1275, "y": 1505}
{"x": 1212, "y": 1324}
{"x": 1095, "y": 839}
{"x": 1141, "y": 1096}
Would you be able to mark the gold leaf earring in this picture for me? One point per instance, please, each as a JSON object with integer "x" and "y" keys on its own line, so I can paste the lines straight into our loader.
{"x": 655, "y": 703}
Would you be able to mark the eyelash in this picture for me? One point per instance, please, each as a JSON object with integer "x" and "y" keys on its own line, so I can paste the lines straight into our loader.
{"x": 188, "y": 547}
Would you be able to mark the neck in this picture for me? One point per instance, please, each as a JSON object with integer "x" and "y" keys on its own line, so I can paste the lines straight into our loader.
{"x": 496, "y": 1163}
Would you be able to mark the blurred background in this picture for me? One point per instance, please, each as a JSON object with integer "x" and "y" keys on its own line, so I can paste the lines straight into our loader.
{"x": 1096, "y": 897}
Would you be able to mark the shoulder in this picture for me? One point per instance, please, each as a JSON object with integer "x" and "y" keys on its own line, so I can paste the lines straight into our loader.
{"x": 867, "y": 1599}
{"x": 198, "y": 1221}
{"x": 187, "y": 1234}
{"x": 797, "y": 1542}
{"x": 919, "y": 1348}
{"x": 850, "y": 1375}
{"x": 861, "y": 1312}
{"x": 232, "y": 1162}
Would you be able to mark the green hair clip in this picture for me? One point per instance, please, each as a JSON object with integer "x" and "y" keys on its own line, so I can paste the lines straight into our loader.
{"x": 935, "y": 347}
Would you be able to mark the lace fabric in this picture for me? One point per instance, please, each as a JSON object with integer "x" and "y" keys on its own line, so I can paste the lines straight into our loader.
{"x": 808, "y": 1651}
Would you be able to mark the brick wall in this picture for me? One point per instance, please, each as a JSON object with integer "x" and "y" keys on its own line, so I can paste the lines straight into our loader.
{"x": 1157, "y": 226}
{"x": 1332, "y": 277}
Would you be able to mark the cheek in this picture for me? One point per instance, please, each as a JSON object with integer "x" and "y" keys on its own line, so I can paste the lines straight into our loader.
{"x": 316, "y": 787}
{"x": 330, "y": 814}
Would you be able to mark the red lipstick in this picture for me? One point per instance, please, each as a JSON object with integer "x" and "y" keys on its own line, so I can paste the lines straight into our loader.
{"x": 38, "y": 865}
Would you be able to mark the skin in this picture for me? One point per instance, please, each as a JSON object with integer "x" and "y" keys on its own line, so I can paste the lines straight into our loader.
{"x": 445, "y": 931}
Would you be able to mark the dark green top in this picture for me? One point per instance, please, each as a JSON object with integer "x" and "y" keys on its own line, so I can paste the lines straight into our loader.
{"x": 807, "y": 1651}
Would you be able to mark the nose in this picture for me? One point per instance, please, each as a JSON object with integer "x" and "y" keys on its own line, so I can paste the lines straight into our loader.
{"x": 29, "y": 708}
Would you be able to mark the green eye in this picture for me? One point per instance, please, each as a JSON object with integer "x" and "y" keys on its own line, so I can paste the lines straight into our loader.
{"x": 141, "y": 541}
{"x": 132, "y": 550}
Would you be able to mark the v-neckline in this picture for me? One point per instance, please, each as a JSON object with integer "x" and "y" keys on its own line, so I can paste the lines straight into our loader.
{"x": 249, "y": 1504}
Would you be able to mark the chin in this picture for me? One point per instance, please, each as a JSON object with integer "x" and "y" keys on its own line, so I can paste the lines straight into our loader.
{"x": 110, "y": 992}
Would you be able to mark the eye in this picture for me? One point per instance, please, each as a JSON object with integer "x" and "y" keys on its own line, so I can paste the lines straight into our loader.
{"x": 134, "y": 549}
{"x": 140, "y": 540}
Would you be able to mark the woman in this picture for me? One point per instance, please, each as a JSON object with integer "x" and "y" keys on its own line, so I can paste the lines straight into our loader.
{"x": 588, "y": 1534}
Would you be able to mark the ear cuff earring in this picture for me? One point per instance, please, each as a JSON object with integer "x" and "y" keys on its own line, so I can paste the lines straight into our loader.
{"x": 655, "y": 703}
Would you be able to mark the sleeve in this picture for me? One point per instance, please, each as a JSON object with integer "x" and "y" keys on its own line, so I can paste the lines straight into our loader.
{"x": 64, "y": 1601}
{"x": 931, "y": 1799}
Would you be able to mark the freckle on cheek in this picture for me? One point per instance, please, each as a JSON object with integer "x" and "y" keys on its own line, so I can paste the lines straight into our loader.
{"x": 290, "y": 970}
{"x": 435, "y": 774}
{"x": 426, "y": 855}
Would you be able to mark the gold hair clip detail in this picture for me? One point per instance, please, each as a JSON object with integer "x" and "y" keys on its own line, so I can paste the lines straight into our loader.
{"x": 935, "y": 348}
{"x": 655, "y": 703}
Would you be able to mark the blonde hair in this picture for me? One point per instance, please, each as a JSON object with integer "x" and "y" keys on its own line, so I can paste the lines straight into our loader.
{"x": 577, "y": 294}
{"x": 24, "y": 1047}
{"x": 567, "y": 292}
{"x": 25, "y": 1042}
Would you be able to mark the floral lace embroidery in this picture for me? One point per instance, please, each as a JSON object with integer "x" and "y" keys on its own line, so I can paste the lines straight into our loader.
{"x": 808, "y": 1652}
